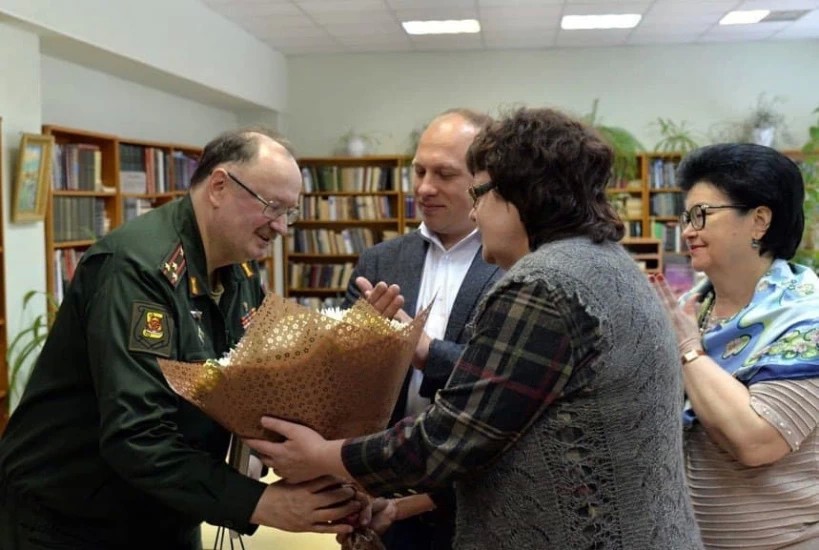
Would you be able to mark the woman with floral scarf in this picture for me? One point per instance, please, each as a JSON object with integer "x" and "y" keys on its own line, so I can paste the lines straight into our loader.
{"x": 749, "y": 346}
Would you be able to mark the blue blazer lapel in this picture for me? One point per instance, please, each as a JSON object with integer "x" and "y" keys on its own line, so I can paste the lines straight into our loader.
{"x": 408, "y": 269}
{"x": 476, "y": 283}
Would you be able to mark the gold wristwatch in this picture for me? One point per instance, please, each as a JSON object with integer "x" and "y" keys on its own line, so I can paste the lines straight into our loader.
{"x": 690, "y": 355}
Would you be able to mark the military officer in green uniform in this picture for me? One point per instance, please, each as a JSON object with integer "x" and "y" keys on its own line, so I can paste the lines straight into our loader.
{"x": 100, "y": 453}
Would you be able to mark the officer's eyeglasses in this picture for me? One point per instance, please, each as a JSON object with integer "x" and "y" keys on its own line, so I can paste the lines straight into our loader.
{"x": 696, "y": 214}
{"x": 272, "y": 211}
{"x": 477, "y": 191}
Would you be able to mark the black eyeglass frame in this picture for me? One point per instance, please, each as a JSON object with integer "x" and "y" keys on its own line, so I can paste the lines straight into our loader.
{"x": 688, "y": 216}
{"x": 478, "y": 191}
{"x": 271, "y": 211}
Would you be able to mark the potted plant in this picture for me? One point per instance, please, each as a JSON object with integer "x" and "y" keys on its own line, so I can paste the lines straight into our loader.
{"x": 415, "y": 137}
{"x": 808, "y": 252}
{"x": 765, "y": 121}
{"x": 676, "y": 138}
{"x": 357, "y": 144}
{"x": 26, "y": 345}
{"x": 623, "y": 142}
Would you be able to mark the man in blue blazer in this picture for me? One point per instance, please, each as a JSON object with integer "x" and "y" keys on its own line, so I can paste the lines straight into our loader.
{"x": 440, "y": 262}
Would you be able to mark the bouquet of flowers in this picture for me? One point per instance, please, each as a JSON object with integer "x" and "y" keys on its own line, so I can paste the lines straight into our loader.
{"x": 338, "y": 372}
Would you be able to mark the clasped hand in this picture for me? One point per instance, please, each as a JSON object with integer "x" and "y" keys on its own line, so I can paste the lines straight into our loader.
{"x": 303, "y": 455}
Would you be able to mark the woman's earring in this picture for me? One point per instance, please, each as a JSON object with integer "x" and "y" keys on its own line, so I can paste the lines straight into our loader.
{"x": 755, "y": 243}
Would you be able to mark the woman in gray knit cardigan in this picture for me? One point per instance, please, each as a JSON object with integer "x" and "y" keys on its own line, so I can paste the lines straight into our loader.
{"x": 560, "y": 423}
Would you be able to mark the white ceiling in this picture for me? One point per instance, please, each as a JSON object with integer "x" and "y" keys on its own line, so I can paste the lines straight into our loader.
{"x": 343, "y": 26}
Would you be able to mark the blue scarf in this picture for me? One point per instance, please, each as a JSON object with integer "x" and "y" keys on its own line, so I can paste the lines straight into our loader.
{"x": 774, "y": 337}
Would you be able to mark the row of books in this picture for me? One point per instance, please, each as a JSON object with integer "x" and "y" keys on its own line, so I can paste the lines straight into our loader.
{"x": 347, "y": 207}
{"x": 625, "y": 185}
{"x": 154, "y": 170}
{"x": 133, "y": 207}
{"x": 663, "y": 174}
{"x": 79, "y": 218}
{"x": 353, "y": 240}
{"x": 65, "y": 264}
{"x": 409, "y": 207}
{"x": 633, "y": 229}
{"x": 333, "y": 276}
{"x": 353, "y": 179}
{"x": 627, "y": 206}
{"x": 77, "y": 167}
{"x": 670, "y": 234}
{"x": 666, "y": 204}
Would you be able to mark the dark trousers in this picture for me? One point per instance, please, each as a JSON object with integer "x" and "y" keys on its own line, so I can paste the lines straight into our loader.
{"x": 430, "y": 531}
{"x": 26, "y": 525}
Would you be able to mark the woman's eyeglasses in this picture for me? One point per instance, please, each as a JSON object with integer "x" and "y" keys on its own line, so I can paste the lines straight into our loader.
{"x": 696, "y": 214}
{"x": 272, "y": 211}
{"x": 477, "y": 191}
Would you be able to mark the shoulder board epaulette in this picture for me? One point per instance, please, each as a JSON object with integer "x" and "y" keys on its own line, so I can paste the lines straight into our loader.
{"x": 173, "y": 266}
{"x": 247, "y": 268}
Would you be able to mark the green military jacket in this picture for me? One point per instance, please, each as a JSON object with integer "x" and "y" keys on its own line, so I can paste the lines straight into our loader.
{"x": 99, "y": 439}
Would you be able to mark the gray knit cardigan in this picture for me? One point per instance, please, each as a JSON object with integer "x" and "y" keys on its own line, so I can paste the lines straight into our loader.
{"x": 603, "y": 467}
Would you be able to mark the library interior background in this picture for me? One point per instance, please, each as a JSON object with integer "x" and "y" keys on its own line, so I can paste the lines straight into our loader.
{"x": 119, "y": 106}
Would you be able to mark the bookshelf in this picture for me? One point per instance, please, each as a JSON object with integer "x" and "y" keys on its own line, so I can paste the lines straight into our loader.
{"x": 100, "y": 181}
{"x": 348, "y": 205}
{"x": 4, "y": 372}
{"x": 649, "y": 206}
{"x": 646, "y": 251}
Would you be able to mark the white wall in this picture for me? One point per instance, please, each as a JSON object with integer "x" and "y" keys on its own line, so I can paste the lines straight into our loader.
{"x": 390, "y": 94}
{"x": 183, "y": 38}
{"x": 78, "y": 97}
{"x": 20, "y": 109}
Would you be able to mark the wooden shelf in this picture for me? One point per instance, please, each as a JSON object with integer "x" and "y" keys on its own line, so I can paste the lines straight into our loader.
{"x": 349, "y": 193}
{"x": 647, "y": 252}
{"x": 385, "y": 177}
{"x": 88, "y": 158}
{"x": 626, "y": 190}
{"x": 78, "y": 193}
{"x": 345, "y": 223}
{"x": 73, "y": 244}
{"x": 152, "y": 196}
{"x": 328, "y": 258}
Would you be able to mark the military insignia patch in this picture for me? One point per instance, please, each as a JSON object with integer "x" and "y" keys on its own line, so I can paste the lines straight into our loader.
{"x": 173, "y": 266}
{"x": 151, "y": 329}
{"x": 247, "y": 268}
{"x": 248, "y": 316}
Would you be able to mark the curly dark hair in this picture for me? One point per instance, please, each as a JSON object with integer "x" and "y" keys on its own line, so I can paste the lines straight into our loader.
{"x": 554, "y": 169}
{"x": 233, "y": 146}
{"x": 754, "y": 175}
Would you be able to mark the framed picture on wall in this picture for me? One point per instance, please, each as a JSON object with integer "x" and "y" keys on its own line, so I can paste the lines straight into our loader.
{"x": 30, "y": 196}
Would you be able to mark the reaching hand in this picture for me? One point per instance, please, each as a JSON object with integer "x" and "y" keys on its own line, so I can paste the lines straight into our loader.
{"x": 683, "y": 317}
{"x": 302, "y": 456}
{"x": 386, "y": 299}
{"x": 319, "y": 505}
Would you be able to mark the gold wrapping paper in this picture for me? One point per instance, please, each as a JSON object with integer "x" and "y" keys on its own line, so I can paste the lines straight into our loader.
{"x": 341, "y": 378}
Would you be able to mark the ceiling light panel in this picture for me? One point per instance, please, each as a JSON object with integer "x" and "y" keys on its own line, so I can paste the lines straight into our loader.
{"x": 603, "y": 21}
{"x": 449, "y": 26}
{"x": 744, "y": 17}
